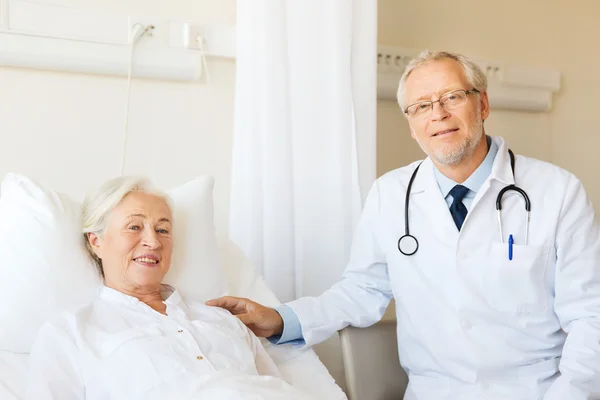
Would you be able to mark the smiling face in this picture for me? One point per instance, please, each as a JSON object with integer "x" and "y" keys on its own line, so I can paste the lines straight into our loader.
{"x": 448, "y": 135}
{"x": 136, "y": 244}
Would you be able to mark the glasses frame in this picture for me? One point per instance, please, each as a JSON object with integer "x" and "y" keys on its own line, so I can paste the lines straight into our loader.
{"x": 431, "y": 103}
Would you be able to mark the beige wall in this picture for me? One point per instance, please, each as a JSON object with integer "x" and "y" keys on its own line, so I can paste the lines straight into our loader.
{"x": 558, "y": 34}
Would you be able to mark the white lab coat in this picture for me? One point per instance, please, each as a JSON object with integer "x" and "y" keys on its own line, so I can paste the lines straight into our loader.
{"x": 471, "y": 323}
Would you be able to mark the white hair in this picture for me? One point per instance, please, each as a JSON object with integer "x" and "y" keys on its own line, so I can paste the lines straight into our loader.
{"x": 97, "y": 207}
{"x": 474, "y": 74}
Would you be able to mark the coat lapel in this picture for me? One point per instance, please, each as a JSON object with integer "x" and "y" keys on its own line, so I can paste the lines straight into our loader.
{"x": 501, "y": 172}
{"x": 426, "y": 199}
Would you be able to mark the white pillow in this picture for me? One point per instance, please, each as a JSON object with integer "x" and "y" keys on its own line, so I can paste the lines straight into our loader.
{"x": 44, "y": 268}
{"x": 196, "y": 269}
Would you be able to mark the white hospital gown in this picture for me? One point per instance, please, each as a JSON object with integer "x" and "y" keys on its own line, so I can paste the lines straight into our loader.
{"x": 119, "y": 348}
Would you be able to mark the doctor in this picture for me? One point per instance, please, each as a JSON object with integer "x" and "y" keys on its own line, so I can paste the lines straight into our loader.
{"x": 490, "y": 305}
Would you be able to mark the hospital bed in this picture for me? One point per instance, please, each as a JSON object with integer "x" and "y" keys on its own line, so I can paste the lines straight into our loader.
{"x": 371, "y": 366}
{"x": 369, "y": 355}
{"x": 302, "y": 368}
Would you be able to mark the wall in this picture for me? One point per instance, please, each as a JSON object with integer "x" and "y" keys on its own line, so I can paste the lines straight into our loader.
{"x": 556, "y": 34}
{"x": 66, "y": 130}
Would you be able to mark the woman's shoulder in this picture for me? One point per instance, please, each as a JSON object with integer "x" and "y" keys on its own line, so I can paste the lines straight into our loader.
{"x": 63, "y": 326}
{"x": 68, "y": 317}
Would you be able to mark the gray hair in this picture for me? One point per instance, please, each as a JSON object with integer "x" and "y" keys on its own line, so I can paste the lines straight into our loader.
{"x": 474, "y": 74}
{"x": 97, "y": 207}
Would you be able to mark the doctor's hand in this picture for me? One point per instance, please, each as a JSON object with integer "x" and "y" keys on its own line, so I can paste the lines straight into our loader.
{"x": 261, "y": 320}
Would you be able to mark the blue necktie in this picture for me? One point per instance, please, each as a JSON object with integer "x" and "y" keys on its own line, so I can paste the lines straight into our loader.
{"x": 457, "y": 208}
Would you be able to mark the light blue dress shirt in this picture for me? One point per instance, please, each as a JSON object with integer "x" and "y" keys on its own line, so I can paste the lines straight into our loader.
{"x": 292, "y": 329}
{"x": 473, "y": 183}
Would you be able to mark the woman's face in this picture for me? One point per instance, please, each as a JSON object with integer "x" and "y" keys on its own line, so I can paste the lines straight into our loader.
{"x": 136, "y": 245}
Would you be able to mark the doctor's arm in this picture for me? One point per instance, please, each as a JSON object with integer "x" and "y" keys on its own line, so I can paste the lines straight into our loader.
{"x": 359, "y": 299}
{"x": 577, "y": 298}
{"x": 53, "y": 367}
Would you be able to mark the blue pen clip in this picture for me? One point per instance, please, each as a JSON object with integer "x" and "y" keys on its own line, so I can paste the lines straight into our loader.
{"x": 511, "y": 241}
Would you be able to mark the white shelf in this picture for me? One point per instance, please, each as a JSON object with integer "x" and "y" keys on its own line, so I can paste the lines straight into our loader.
{"x": 19, "y": 50}
{"x": 43, "y": 36}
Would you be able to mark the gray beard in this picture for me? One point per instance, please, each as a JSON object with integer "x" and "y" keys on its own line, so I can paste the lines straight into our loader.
{"x": 465, "y": 150}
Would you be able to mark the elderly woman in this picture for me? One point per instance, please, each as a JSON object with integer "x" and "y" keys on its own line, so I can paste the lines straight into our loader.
{"x": 140, "y": 338}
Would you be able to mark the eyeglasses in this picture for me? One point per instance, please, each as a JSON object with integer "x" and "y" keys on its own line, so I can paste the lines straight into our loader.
{"x": 448, "y": 101}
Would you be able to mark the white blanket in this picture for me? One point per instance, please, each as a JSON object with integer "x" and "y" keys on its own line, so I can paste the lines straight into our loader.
{"x": 227, "y": 385}
{"x": 303, "y": 370}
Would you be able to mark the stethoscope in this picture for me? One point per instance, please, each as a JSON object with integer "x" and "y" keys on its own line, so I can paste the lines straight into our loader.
{"x": 408, "y": 244}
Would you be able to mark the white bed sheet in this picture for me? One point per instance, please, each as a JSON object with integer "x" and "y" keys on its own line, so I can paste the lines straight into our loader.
{"x": 301, "y": 368}
{"x": 13, "y": 368}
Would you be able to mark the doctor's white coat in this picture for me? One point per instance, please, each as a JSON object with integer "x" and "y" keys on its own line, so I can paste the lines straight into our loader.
{"x": 471, "y": 323}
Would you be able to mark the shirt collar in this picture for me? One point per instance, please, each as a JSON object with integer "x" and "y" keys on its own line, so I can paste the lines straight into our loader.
{"x": 477, "y": 178}
{"x": 169, "y": 294}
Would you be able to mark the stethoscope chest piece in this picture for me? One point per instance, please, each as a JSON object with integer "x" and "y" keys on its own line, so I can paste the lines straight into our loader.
{"x": 408, "y": 245}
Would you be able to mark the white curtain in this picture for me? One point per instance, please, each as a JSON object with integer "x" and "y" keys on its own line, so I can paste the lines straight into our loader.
{"x": 304, "y": 140}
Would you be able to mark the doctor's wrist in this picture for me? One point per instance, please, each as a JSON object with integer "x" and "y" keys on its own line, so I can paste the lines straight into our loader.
{"x": 277, "y": 322}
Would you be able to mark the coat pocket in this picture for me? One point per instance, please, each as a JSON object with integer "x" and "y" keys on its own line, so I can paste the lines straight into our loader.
{"x": 517, "y": 285}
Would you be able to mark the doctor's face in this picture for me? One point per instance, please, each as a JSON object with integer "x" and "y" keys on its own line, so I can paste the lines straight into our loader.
{"x": 136, "y": 245}
{"x": 448, "y": 134}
